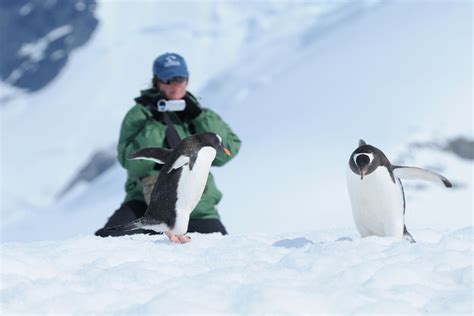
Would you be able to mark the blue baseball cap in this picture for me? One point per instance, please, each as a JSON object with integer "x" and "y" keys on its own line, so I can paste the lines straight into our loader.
{"x": 170, "y": 65}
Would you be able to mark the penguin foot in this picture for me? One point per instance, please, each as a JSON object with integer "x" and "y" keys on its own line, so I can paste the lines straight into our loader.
{"x": 178, "y": 239}
{"x": 184, "y": 239}
{"x": 172, "y": 237}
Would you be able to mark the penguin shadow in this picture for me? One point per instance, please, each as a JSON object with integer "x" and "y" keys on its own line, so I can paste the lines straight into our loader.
{"x": 298, "y": 242}
{"x": 165, "y": 241}
{"x": 349, "y": 239}
{"x": 159, "y": 238}
{"x": 162, "y": 241}
{"x": 159, "y": 241}
{"x": 301, "y": 242}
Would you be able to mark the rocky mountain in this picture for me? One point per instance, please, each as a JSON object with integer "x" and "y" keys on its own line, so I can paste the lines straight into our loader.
{"x": 38, "y": 36}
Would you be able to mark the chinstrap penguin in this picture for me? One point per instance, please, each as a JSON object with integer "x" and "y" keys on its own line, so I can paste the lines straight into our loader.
{"x": 376, "y": 192}
{"x": 179, "y": 185}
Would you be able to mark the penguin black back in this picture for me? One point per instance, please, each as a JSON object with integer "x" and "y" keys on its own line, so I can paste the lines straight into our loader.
{"x": 190, "y": 147}
{"x": 164, "y": 195}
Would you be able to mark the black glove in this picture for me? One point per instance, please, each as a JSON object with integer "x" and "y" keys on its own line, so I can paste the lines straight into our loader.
{"x": 192, "y": 110}
{"x": 151, "y": 100}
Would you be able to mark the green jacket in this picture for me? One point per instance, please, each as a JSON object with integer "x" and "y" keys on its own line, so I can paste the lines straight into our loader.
{"x": 140, "y": 129}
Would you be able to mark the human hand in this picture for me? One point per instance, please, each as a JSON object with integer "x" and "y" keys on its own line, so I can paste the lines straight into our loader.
{"x": 192, "y": 110}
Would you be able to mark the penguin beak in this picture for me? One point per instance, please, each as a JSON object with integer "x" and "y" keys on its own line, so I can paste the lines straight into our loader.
{"x": 362, "y": 172}
{"x": 225, "y": 150}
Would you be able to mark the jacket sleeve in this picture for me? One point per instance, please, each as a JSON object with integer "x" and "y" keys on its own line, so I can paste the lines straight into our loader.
{"x": 139, "y": 130}
{"x": 209, "y": 121}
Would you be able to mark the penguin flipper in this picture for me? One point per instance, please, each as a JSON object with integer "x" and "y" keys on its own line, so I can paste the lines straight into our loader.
{"x": 414, "y": 173}
{"x": 155, "y": 154}
{"x": 136, "y": 224}
{"x": 180, "y": 162}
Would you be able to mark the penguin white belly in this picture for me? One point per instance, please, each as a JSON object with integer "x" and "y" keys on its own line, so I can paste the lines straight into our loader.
{"x": 181, "y": 224}
{"x": 377, "y": 203}
{"x": 191, "y": 186}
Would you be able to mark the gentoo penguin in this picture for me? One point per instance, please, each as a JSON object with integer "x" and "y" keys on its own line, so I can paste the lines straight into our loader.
{"x": 179, "y": 186}
{"x": 376, "y": 192}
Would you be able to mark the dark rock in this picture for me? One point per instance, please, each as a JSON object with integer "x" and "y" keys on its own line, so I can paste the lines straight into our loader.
{"x": 100, "y": 162}
{"x": 37, "y": 37}
{"x": 462, "y": 147}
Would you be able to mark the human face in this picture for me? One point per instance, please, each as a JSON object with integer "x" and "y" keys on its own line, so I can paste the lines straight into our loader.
{"x": 173, "y": 90}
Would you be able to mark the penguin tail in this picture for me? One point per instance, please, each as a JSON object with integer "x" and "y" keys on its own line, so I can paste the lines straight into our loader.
{"x": 141, "y": 223}
{"x": 136, "y": 224}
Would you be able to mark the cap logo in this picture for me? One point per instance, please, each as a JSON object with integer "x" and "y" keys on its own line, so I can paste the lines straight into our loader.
{"x": 171, "y": 61}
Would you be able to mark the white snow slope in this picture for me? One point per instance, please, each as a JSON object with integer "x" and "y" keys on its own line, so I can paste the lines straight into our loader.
{"x": 300, "y": 95}
{"x": 49, "y": 135}
{"x": 300, "y": 83}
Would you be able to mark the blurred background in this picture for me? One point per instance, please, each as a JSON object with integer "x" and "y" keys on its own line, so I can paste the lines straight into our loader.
{"x": 299, "y": 81}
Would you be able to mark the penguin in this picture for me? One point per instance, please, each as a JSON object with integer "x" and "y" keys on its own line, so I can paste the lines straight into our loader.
{"x": 376, "y": 192}
{"x": 179, "y": 185}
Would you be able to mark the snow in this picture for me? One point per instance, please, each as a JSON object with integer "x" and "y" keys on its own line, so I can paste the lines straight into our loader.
{"x": 369, "y": 77}
{"x": 65, "y": 123}
{"x": 35, "y": 51}
{"x": 241, "y": 274}
{"x": 324, "y": 67}
{"x": 453, "y": 207}
{"x": 392, "y": 73}
{"x": 26, "y": 9}
{"x": 55, "y": 131}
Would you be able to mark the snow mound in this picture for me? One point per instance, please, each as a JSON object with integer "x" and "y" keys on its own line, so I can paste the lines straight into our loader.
{"x": 241, "y": 274}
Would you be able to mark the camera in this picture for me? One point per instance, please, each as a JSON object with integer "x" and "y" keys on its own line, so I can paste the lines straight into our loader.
{"x": 170, "y": 105}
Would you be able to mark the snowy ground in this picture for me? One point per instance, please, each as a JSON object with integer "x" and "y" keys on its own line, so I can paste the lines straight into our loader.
{"x": 318, "y": 272}
{"x": 344, "y": 71}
